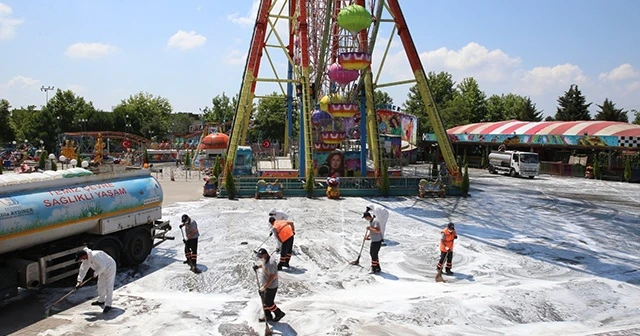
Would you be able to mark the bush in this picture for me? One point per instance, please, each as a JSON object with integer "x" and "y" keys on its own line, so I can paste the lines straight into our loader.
{"x": 187, "y": 160}
{"x": 217, "y": 167}
{"x": 596, "y": 169}
{"x": 145, "y": 156}
{"x": 54, "y": 166}
{"x": 309, "y": 184}
{"x": 465, "y": 181}
{"x": 42, "y": 162}
{"x": 483, "y": 162}
{"x": 627, "y": 170}
{"x": 229, "y": 183}
{"x": 385, "y": 184}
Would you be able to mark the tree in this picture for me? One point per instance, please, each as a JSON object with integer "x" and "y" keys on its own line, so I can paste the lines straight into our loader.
{"x": 270, "y": 120}
{"x": 609, "y": 112}
{"x": 381, "y": 98}
{"x": 637, "y": 114}
{"x": 7, "y": 132}
{"x": 530, "y": 112}
{"x": 148, "y": 115}
{"x": 549, "y": 118}
{"x": 442, "y": 89}
{"x": 179, "y": 123}
{"x": 627, "y": 169}
{"x": 573, "y": 106}
{"x": 495, "y": 108}
{"x": 467, "y": 106}
{"x": 42, "y": 162}
{"x": 229, "y": 182}
{"x": 217, "y": 167}
{"x": 222, "y": 109}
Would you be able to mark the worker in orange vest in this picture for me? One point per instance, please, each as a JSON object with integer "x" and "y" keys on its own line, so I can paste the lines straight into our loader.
{"x": 284, "y": 230}
{"x": 446, "y": 247}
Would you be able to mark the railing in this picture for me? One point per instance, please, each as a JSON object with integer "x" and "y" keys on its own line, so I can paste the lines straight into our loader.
{"x": 349, "y": 186}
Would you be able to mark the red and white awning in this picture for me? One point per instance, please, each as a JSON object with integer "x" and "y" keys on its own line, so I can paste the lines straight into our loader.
{"x": 602, "y": 128}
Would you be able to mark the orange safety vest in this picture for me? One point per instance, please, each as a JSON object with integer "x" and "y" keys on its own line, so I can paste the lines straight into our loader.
{"x": 283, "y": 229}
{"x": 449, "y": 236}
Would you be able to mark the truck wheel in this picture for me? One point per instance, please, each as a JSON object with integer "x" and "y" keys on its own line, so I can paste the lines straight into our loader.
{"x": 109, "y": 245}
{"x": 531, "y": 177}
{"x": 138, "y": 246}
{"x": 513, "y": 173}
{"x": 492, "y": 170}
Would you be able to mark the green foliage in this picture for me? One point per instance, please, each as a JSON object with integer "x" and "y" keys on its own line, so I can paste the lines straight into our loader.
{"x": 385, "y": 183}
{"x": 179, "y": 123}
{"x": 148, "y": 115}
{"x": 270, "y": 120}
{"x": 7, "y": 132}
{"x": 217, "y": 167}
{"x": 627, "y": 169}
{"x": 483, "y": 161}
{"x": 597, "y": 172}
{"x": 187, "y": 160}
{"x": 43, "y": 160}
{"x": 309, "y": 183}
{"x": 511, "y": 106}
{"x": 549, "y": 118}
{"x": 441, "y": 86}
{"x": 145, "y": 156}
{"x": 637, "y": 119}
{"x": 572, "y": 106}
{"x": 381, "y": 98}
{"x": 609, "y": 112}
{"x": 468, "y": 104}
{"x": 229, "y": 182}
{"x": 222, "y": 110}
{"x": 54, "y": 165}
{"x": 465, "y": 181}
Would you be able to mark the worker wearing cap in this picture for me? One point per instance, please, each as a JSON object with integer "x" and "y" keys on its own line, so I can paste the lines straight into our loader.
{"x": 284, "y": 231}
{"x": 376, "y": 240}
{"x": 446, "y": 247}
{"x": 268, "y": 285}
{"x": 190, "y": 241}
{"x": 104, "y": 268}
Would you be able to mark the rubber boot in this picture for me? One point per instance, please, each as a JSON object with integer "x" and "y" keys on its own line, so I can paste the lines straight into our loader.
{"x": 279, "y": 315}
{"x": 267, "y": 315}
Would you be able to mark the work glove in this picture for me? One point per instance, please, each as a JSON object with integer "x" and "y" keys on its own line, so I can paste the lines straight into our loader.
{"x": 262, "y": 290}
{"x": 256, "y": 267}
{"x": 181, "y": 225}
{"x": 270, "y": 233}
{"x": 455, "y": 237}
{"x": 78, "y": 284}
{"x": 184, "y": 240}
{"x": 446, "y": 248}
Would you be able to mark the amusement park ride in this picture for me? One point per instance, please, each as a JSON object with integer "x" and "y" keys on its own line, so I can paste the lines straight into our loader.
{"x": 329, "y": 50}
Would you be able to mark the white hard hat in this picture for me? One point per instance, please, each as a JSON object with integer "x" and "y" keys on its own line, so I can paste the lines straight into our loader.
{"x": 272, "y": 211}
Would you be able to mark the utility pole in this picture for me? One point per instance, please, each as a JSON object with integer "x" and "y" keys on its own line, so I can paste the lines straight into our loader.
{"x": 46, "y": 90}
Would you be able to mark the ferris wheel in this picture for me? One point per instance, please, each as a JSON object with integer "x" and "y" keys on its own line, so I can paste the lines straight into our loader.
{"x": 329, "y": 77}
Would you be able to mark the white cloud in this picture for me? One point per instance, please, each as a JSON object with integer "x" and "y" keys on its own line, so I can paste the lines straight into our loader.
{"x": 633, "y": 87}
{"x": 236, "y": 57}
{"x": 551, "y": 79}
{"x": 248, "y": 20}
{"x": 90, "y": 50}
{"x": 22, "y": 82}
{"x": 8, "y": 24}
{"x": 623, "y": 72}
{"x": 186, "y": 40}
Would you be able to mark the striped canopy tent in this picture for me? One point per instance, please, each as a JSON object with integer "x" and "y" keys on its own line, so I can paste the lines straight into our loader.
{"x": 571, "y": 128}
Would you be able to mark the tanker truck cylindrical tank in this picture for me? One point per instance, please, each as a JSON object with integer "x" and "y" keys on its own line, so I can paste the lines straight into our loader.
{"x": 500, "y": 159}
{"x": 28, "y": 218}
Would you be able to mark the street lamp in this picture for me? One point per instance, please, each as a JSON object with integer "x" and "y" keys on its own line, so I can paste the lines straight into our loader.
{"x": 46, "y": 90}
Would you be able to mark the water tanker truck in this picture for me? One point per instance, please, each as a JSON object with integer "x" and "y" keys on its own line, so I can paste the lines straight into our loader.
{"x": 514, "y": 163}
{"x": 46, "y": 217}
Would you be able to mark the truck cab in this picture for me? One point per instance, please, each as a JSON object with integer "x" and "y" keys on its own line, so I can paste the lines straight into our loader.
{"x": 514, "y": 163}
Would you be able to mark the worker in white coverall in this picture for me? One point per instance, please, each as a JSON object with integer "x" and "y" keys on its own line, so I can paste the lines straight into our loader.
{"x": 104, "y": 268}
{"x": 382, "y": 216}
{"x": 278, "y": 215}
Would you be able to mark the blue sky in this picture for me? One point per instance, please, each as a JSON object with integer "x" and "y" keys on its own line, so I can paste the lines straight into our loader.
{"x": 192, "y": 50}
